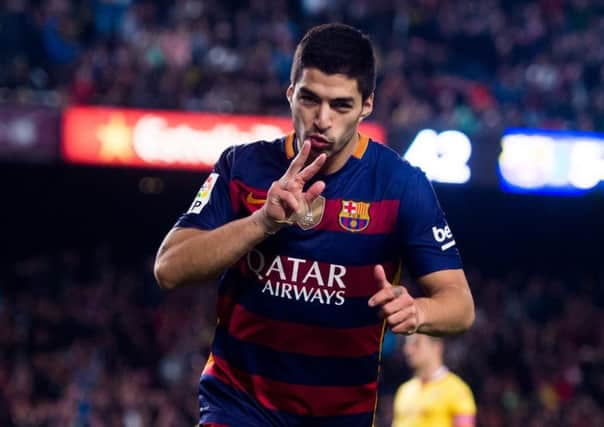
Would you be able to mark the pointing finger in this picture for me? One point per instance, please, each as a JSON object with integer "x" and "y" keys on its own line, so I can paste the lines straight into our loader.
{"x": 380, "y": 277}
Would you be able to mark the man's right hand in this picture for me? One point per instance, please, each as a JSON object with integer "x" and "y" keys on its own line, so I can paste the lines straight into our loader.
{"x": 286, "y": 200}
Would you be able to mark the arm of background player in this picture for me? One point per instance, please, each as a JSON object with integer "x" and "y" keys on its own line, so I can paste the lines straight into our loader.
{"x": 464, "y": 407}
{"x": 464, "y": 421}
{"x": 188, "y": 256}
{"x": 448, "y": 306}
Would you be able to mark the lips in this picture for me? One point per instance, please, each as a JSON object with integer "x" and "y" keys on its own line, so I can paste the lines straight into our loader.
{"x": 318, "y": 142}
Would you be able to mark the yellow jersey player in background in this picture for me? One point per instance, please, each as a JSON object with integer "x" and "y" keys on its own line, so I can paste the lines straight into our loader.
{"x": 434, "y": 397}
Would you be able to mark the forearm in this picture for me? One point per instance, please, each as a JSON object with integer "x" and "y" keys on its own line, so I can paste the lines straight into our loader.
{"x": 447, "y": 312}
{"x": 202, "y": 255}
{"x": 189, "y": 256}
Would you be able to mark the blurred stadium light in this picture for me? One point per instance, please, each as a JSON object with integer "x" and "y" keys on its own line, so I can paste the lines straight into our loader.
{"x": 546, "y": 161}
{"x": 165, "y": 139}
{"x": 442, "y": 156}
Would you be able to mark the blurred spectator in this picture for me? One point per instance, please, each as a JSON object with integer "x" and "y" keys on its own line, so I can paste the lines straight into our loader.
{"x": 473, "y": 65}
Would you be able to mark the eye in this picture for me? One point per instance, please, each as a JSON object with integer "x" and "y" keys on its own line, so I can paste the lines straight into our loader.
{"x": 341, "y": 106}
{"x": 307, "y": 99}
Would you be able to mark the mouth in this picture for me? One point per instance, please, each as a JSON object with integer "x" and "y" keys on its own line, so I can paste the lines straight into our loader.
{"x": 318, "y": 142}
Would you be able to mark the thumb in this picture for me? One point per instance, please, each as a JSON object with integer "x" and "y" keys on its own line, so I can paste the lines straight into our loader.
{"x": 380, "y": 277}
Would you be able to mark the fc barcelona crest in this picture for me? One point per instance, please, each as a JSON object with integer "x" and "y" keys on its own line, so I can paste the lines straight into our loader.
{"x": 354, "y": 216}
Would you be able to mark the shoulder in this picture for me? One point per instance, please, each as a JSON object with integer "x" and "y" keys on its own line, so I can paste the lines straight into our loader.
{"x": 457, "y": 385}
{"x": 407, "y": 387}
{"x": 390, "y": 164}
{"x": 253, "y": 154}
{"x": 459, "y": 395}
{"x": 255, "y": 148}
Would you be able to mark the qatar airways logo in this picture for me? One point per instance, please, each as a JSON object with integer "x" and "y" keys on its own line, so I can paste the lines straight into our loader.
{"x": 299, "y": 279}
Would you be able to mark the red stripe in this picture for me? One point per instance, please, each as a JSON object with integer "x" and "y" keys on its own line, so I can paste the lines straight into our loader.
{"x": 224, "y": 308}
{"x": 359, "y": 281}
{"x": 246, "y": 196}
{"x": 304, "y": 339}
{"x": 297, "y": 399}
{"x": 382, "y": 215}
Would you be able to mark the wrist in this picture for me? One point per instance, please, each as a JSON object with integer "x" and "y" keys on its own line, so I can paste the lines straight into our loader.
{"x": 262, "y": 221}
{"x": 420, "y": 304}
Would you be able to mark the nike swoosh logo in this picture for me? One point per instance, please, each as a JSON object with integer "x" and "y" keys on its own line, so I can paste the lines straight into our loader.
{"x": 254, "y": 201}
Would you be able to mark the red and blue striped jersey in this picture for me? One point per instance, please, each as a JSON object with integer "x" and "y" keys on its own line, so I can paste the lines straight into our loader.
{"x": 296, "y": 343}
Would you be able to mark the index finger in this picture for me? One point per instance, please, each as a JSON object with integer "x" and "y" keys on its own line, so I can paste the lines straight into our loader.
{"x": 385, "y": 292}
{"x": 298, "y": 163}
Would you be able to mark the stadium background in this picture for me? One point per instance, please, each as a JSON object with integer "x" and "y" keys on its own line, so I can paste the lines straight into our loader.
{"x": 87, "y": 338}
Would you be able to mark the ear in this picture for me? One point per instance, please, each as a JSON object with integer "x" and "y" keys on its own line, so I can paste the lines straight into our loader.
{"x": 367, "y": 107}
{"x": 289, "y": 93}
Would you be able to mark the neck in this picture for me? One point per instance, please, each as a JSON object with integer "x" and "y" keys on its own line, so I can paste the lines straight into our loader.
{"x": 337, "y": 160}
{"x": 431, "y": 372}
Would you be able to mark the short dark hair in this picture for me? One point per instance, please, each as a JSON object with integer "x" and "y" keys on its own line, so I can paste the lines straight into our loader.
{"x": 337, "y": 49}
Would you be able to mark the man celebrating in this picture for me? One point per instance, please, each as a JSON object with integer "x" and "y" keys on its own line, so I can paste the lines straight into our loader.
{"x": 434, "y": 397}
{"x": 307, "y": 235}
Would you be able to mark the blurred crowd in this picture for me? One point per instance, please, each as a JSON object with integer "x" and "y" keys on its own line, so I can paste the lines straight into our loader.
{"x": 472, "y": 65}
{"x": 87, "y": 341}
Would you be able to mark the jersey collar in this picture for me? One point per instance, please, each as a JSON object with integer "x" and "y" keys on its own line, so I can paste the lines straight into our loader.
{"x": 291, "y": 148}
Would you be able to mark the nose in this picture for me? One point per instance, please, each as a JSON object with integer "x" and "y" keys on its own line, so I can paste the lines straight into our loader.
{"x": 323, "y": 117}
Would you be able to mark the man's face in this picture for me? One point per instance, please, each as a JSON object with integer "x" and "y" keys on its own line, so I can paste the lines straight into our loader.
{"x": 419, "y": 350}
{"x": 327, "y": 110}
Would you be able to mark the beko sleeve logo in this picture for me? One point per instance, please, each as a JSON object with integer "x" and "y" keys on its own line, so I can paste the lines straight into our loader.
{"x": 443, "y": 234}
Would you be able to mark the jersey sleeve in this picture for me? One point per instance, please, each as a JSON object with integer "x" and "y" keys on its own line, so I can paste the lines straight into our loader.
{"x": 463, "y": 407}
{"x": 428, "y": 243}
{"x": 212, "y": 206}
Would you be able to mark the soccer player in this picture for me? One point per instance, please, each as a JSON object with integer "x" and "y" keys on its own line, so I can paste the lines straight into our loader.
{"x": 306, "y": 235}
{"x": 434, "y": 397}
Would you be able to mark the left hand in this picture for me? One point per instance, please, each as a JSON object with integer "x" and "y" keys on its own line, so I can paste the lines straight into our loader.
{"x": 286, "y": 200}
{"x": 400, "y": 309}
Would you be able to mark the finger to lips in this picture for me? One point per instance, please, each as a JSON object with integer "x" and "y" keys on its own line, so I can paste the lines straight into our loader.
{"x": 298, "y": 163}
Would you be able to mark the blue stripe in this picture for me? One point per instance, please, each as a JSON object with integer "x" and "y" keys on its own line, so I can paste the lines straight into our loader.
{"x": 354, "y": 313}
{"x": 220, "y": 403}
{"x": 294, "y": 368}
{"x": 358, "y": 420}
{"x": 335, "y": 247}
